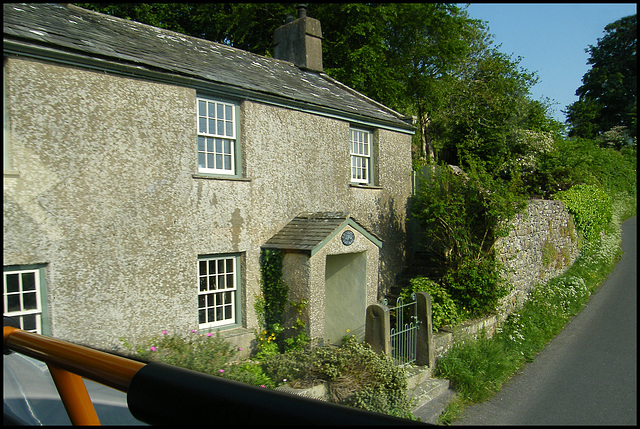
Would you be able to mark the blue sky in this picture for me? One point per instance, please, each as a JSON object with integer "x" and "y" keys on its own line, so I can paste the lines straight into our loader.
{"x": 551, "y": 38}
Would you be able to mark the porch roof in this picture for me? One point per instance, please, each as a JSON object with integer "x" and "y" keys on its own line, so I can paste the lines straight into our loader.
{"x": 308, "y": 232}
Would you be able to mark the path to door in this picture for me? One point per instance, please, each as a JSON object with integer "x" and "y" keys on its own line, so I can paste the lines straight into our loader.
{"x": 587, "y": 375}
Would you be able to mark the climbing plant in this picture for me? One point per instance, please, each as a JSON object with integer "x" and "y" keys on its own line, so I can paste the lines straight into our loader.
{"x": 275, "y": 292}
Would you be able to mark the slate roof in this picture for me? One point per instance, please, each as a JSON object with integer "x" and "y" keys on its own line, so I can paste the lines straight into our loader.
{"x": 308, "y": 230}
{"x": 90, "y": 34}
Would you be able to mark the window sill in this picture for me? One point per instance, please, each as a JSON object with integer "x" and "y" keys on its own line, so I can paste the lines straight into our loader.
{"x": 227, "y": 331}
{"x": 214, "y": 177}
{"x": 364, "y": 186}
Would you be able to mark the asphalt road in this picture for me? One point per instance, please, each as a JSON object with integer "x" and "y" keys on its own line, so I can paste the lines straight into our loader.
{"x": 587, "y": 375}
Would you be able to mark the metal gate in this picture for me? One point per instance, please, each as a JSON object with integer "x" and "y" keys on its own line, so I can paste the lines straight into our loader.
{"x": 404, "y": 330}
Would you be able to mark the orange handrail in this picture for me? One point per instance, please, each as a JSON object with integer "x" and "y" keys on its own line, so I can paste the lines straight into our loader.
{"x": 68, "y": 363}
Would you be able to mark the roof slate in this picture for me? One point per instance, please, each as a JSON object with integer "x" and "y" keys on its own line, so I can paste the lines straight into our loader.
{"x": 307, "y": 230}
{"x": 87, "y": 33}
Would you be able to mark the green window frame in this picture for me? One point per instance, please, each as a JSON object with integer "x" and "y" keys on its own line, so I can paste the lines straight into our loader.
{"x": 219, "y": 291}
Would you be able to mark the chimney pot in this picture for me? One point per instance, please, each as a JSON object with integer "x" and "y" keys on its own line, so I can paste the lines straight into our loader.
{"x": 302, "y": 11}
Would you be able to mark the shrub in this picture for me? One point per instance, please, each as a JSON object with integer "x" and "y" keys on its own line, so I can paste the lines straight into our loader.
{"x": 476, "y": 285}
{"x": 464, "y": 214}
{"x": 443, "y": 308}
{"x": 590, "y": 206}
{"x": 206, "y": 353}
{"x": 356, "y": 375}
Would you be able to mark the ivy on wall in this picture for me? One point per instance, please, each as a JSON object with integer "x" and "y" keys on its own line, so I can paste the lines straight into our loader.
{"x": 275, "y": 292}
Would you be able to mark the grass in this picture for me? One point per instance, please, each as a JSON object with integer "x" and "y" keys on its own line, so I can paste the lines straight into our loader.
{"x": 478, "y": 368}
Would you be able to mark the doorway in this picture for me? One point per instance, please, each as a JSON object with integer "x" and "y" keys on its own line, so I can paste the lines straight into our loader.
{"x": 345, "y": 296}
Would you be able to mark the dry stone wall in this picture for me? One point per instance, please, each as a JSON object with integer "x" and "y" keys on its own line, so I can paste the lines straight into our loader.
{"x": 542, "y": 244}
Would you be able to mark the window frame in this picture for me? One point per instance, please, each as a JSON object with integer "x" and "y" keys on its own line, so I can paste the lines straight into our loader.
{"x": 359, "y": 155}
{"x": 40, "y": 290}
{"x": 216, "y": 149}
{"x": 204, "y": 304}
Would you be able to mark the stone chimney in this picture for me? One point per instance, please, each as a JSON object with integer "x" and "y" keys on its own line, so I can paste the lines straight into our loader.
{"x": 300, "y": 41}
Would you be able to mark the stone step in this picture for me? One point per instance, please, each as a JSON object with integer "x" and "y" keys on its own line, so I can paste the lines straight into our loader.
{"x": 430, "y": 396}
{"x": 431, "y": 411}
{"x": 428, "y": 390}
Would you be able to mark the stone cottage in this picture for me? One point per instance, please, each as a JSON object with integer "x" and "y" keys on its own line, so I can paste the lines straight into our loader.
{"x": 145, "y": 171}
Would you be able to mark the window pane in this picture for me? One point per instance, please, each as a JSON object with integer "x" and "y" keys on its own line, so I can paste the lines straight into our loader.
{"x": 202, "y": 316}
{"x": 201, "y": 301}
{"x": 226, "y": 146}
{"x": 221, "y": 265}
{"x": 212, "y": 266}
{"x": 220, "y": 113}
{"x": 29, "y": 322}
{"x": 229, "y": 265}
{"x": 227, "y": 162}
{"x": 202, "y": 108}
{"x": 201, "y": 162}
{"x": 200, "y": 144}
{"x": 13, "y": 282}
{"x": 220, "y": 130}
{"x": 28, "y": 281}
{"x": 210, "y": 300}
{"x": 229, "y": 129}
{"x": 13, "y": 302}
{"x": 212, "y": 126}
{"x": 227, "y": 312}
{"x": 210, "y": 160}
{"x": 219, "y": 315}
{"x": 218, "y": 161}
{"x": 203, "y": 284}
{"x": 211, "y": 315}
{"x": 202, "y": 125}
{"x": 29, "y": 301}
{"x": 230, "y": 280}
{"x": 212, "y": 283}
{"x": 209, "y": 145}
{"x": 212, "y": 110}
{"x": 228, "y": 114}
{"x": 218, "y": 146}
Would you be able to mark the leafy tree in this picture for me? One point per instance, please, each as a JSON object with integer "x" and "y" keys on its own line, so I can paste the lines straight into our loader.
{"x": 608, "y": 95}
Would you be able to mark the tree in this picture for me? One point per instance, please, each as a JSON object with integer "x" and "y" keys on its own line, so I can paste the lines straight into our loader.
{"x": 608, "y": 95}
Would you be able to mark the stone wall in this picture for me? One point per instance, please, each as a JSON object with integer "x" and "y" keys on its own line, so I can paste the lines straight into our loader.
{"x": 542, "y": 244}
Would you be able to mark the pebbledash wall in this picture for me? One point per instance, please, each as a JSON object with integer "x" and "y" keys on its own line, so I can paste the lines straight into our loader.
{"x": 542, "y": 244}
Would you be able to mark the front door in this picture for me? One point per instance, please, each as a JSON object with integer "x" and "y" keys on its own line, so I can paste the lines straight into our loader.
{"x": 345, "y": 296}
